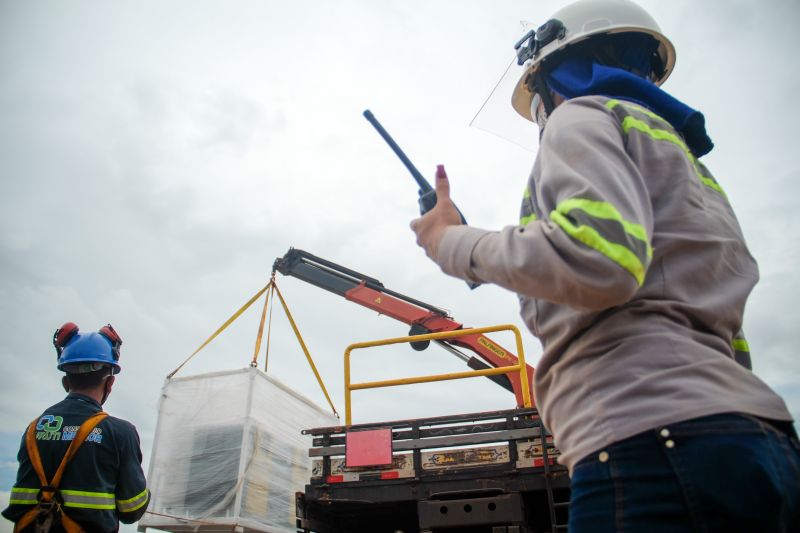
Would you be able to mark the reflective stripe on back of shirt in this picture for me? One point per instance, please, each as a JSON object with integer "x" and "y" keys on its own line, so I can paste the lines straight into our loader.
{"x": 630, "y": 122}
{"x": 72, "y": 498}
{"x": 88, "y": 500}
{"x": 601, "y": 227}
{"x": 22, "y": 496}
{"x": 132, "y": 504}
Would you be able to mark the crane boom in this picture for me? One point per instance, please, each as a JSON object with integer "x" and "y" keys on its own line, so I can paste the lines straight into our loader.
{"x": 422, "y": 317}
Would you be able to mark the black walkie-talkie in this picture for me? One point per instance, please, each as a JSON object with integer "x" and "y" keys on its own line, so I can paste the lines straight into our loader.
{"x": 427, "y": 194}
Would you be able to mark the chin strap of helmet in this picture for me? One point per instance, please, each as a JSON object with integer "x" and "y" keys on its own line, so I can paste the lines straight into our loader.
{"x": 541, "y": 88}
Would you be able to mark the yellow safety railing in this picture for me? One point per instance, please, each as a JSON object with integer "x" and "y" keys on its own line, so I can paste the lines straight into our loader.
{"x": 519, "y": 367}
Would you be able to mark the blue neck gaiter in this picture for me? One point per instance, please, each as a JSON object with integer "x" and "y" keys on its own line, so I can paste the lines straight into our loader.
{"x": 582, "y": 76}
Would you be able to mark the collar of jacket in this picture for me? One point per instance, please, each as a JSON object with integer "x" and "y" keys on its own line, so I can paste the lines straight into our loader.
{"x": 83, "y": 398}
{"x": 582, "y": 76}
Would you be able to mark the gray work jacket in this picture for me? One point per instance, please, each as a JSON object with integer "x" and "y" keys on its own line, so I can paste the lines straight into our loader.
{"x": 632, "y": 270}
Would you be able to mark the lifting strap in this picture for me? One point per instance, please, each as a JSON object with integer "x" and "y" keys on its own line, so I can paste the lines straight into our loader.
{"x": 272, "y": 287}
{"x": 305, "y": 350}
{"x": 49, "y": 497}
{"x": 223, "y": 326}
{"x": 260, "y": 334}
{"x": 269, "y": 327}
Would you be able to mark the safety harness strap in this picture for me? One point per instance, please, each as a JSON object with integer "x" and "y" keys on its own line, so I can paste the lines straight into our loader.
{"x": 48, "y": 494}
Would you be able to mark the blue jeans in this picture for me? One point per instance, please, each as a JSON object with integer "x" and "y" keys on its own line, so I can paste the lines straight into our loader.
{"x": 722, "y": 473}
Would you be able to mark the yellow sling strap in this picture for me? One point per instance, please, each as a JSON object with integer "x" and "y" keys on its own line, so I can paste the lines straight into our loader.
{"x": 49, "y": 490}
{"x": 223, "y": 326}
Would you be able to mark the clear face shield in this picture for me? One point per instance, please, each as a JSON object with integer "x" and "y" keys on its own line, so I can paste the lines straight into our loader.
{"x": 498, "y": 117}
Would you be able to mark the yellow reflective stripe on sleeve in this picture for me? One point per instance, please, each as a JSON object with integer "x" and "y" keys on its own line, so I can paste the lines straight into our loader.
{"x": 592, "y": 238}
{"x": 132, "y": 504}
{"x": 527, "y": 193}
{"x": 22, "y": 496}
{"x": 606, "y": 211}
{"x": 88, "y": 500}
{"x": 740, "y": 345}
{"x": 524, "y": 221}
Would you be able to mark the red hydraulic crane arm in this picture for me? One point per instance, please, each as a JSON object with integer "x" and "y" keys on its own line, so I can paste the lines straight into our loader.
{"x": 423, "y": 318}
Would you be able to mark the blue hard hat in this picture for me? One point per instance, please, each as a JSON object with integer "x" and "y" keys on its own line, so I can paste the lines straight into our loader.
{"x": 85, "y": 352}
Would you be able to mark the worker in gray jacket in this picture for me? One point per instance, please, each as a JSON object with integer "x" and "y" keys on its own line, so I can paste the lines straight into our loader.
{"x": 632, "y": 270}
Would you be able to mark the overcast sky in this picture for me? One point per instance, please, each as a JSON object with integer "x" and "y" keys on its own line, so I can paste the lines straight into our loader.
{"x": 156, "y": 157}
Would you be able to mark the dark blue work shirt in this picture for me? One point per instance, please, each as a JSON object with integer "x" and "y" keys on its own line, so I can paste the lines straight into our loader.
{"x": 102, "y": 485}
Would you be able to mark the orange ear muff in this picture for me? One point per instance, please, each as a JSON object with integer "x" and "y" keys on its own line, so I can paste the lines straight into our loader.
{"x": 63, "y": 335}
{"x": 110, "y": 333}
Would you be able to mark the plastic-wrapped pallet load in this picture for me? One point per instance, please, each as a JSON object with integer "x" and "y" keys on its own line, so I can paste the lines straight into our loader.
{"x": 228, "y": 453}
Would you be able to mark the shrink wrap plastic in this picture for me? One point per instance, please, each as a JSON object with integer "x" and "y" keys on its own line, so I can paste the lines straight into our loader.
{"x": 228, "y": 453}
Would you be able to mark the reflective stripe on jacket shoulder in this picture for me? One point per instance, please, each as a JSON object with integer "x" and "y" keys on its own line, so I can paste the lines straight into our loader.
{"x": 636, "y": 118}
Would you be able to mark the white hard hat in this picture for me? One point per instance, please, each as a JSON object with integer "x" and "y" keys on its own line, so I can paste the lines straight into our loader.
{"x": 577, "y": 22}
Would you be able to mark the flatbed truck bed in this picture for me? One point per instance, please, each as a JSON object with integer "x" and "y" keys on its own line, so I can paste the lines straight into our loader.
{"x": 490, "y": 472}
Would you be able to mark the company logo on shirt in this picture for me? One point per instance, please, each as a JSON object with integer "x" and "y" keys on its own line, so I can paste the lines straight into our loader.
{"x": 49, "y": 428}
{"x": 49, "y": 423}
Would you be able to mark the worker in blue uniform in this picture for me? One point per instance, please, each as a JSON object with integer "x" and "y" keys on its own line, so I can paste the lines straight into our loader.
{"x": 80, "y": 469}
